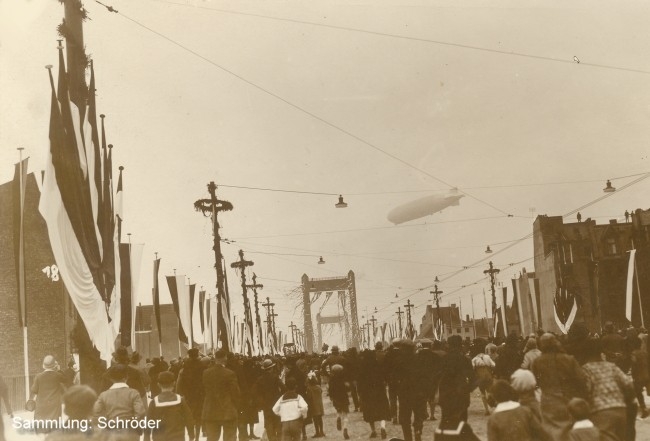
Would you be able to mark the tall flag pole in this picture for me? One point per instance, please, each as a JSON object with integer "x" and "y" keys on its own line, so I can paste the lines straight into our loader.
{"x": 156, "y": 300}
{"x": 629, "y": 285}
{"x": 19, "y": 253}
{"x": 211, "y": 207}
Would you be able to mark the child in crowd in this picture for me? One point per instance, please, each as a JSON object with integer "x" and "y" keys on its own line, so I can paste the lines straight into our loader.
{"x": 511, "y": 421}
{"x": 315, "y": 394}
{"x": 292, "y": 409}
{"x": 172, "y": 412}
{"x": 338, "y": 391}
{"x": 583, "y": 429}
{"x": 524, "y": 383}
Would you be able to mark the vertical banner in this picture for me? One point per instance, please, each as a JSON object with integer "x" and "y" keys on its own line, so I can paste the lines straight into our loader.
{"x": 629, "y": 287}
{"x": 19, "y": 184}
{"x": 156, "y": 297}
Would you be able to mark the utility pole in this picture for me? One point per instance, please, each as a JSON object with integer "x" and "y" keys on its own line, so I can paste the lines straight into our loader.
{"x": 293, "y": 331}
{"x": 492, "y": 272}
{"x": 211, "y": 207}
{"x": 241, "y": 265}
{"x": 374, "y": 330}
{"x": 258, "y": 320}
{"x": 399, "y": 320}
{"x": 410, "y": 331}
{"x": 269, "y": 321}
{"x": 436, "y": 297}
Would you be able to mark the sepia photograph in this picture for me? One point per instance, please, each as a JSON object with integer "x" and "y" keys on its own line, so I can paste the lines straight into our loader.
{"x": 407, "y": 220}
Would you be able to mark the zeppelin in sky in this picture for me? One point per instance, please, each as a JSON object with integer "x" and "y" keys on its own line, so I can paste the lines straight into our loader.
{"x": 423, "y": 207}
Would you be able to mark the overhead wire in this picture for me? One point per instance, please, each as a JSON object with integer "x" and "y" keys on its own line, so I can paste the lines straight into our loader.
{"x": 571, "y": 60}
{"x": 309, "y": 113}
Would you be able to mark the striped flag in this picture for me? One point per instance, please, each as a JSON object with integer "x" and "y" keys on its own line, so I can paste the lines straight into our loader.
{"x": 130, "y": 260}
{"x": 66, "y": 206}
{"x": 156, "y": 297}
{"x": 192, "y": 291}
{"x": 202, "y": 309}
{"x": 224, "y": 333}
{"x": 19, "y": 185}
{"x": 180, "y": 300}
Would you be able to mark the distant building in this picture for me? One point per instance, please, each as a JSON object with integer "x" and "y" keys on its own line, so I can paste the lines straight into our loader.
{"x": 451, "y": 320}
{"x": 590, "y": 262}
{"x": 147, "y": 342}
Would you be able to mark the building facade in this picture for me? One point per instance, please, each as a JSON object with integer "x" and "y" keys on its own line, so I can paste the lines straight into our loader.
{"x": 50, "y": 313}
{"x": 588, "y": 262}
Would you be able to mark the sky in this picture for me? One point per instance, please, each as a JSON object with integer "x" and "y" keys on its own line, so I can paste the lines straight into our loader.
{"x": 526, "y": 106}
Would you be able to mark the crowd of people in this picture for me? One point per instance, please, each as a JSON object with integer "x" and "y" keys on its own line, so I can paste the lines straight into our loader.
{"x": 577, "y": 387}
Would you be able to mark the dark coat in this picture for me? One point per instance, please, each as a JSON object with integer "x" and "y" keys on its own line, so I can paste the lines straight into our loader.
{"x": 372, "y": 389}
{"x": 190, "y": 386}
{"x": 267, "y": 389}
{"x": 221, "y": 394}
{"x": 133, "y": 380}
{"x": 508, "y": 362}
{"x": 48, "y": 387}
{"x": 456, "y": 382}
{"x": 338, "y": 391}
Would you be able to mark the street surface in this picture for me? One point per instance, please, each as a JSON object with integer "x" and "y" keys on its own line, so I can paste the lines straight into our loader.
{"x": 359, "y": 430}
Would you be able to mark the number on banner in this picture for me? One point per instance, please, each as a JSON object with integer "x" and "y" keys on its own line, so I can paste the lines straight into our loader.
{"x": 52, "y": 272}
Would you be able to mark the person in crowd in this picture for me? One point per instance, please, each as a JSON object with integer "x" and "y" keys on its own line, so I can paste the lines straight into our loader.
{"x": 190, "y": 385}
{"x": 338, "y": 392}
{"x": 266, "y": 390}
{"x": 172, "y": 412}
{"x": 560, "y": 378}
{"x": 640, "y": 374}
{"x": 291, "y": 408}
{"x": 609, "y": 393}
{"x": 484, "y": 371}
{"x": 315, "y": 399}
{"x": 456, "y": 382}
{"x": 411, "y": 394}
{"x": 352, "y": 372}
{"x": 511, "y": 421}
{"x": 134, "y": 362}
{"x": 156, "y": 368}
{"x": 530, "y": 353}
{"x": 78, "y": 402}
{"x": 221, "y": 400}
{"x": 614, "y": 347}
{"x": 120, "y": 403}
{"x": 71, "y": 373}
{"x": 48, "y": 388}
{"x": 390, "y": 362}
{"x": 134, "y": 378}
{"x": 583, "y": 429}
{"x": 4, "y": 397}
{"x": 372, "y": 390}
{"x": 524, "y": 383}
{"x": 509, "y": 360}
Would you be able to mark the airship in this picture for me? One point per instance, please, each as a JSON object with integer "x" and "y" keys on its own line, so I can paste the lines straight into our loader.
{"x": 425, "y": 206}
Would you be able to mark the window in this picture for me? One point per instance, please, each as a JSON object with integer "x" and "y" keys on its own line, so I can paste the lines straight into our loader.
{"x": 467, "y": 330}
{"x": 457, "y": 330}
{"x": 611, "y": 246}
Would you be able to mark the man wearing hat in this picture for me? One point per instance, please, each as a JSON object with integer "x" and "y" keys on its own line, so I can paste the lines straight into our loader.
{"x": 267, "y": 389}
{"x": 221, "y": 400}
{"x": 190, "y": 384}
{"x": 48, "y": 388}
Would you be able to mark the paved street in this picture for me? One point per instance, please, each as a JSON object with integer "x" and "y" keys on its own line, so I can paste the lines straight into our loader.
{"x": 359, "y": 430}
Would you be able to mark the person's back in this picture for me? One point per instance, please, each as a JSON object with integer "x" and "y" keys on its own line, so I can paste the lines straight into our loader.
{"x": 511, "y": 421}
{"x": 171, "y": 412}
{"x": 583, "y": 429}
{"x": 118, "y": 405}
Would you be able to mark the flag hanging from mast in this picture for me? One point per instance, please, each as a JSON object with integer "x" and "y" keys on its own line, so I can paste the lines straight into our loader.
{"x": 19, "y": 186}
{"x": 224, "y": 333}
{"x": 176, "y": 286}
{"x": 629, "y": 288}
{"x": 156, "y": 297}
{"x": 202, "y": 309}
{"x": 65, "y": 206}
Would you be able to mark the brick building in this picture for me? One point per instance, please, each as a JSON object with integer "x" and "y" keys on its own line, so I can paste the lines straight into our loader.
{"x": 146, "y": 332}
{"x": 50, "y": 313}
{"x": 590, "y": 261}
